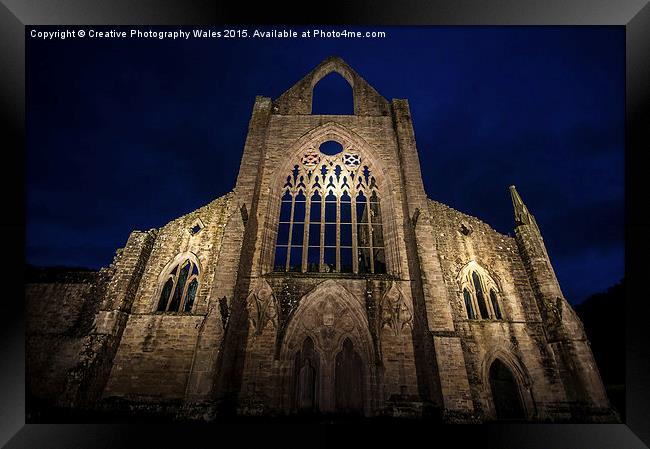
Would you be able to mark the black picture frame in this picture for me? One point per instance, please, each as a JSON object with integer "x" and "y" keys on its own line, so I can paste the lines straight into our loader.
{"x": 634, "y": 15}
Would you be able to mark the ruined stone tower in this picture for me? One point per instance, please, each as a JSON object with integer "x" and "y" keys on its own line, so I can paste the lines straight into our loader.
{"x": 326, "y": 282}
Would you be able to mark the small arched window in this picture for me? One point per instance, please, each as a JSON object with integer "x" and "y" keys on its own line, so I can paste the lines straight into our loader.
{"x": 480, "y": 295}
{"x": 468, "y": 304}
{"x": 179, "y": 290}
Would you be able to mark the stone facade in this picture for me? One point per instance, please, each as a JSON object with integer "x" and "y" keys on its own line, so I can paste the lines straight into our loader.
{"x": 448, "y": 318}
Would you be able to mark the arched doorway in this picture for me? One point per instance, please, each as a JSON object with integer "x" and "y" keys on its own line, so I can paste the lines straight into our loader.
{"x": 348, "y": 381}
{"x": 325, "y": 355}
{"x": 505, "y": 392}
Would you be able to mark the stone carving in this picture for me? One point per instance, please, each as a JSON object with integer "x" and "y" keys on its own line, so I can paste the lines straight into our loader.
{"x": 553, "y": 310}
{"x": 262, "y": 307}
{"x": 395, "y": 312}
{"x": 244, "y": 214}
{"x": 346, "y": 323}
{"x": 328, "y": 315}
{"x": 326, "y": 319}
{"x": 327, "y": 338}
{"x": 416, "y": 215}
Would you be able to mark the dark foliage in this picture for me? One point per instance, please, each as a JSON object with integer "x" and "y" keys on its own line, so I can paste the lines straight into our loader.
{"x": 603, "y": 317}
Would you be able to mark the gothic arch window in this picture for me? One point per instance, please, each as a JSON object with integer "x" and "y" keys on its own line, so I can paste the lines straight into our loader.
{"x": 330, "y": 216}
{"x": 480, "y": 295}
{"x": 332, "y": 94}
{"x": 179, "y": 287}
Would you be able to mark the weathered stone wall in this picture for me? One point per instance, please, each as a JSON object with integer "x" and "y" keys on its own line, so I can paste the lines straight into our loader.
{"x": 519, "y": 339}
{"x": 154, "y": 358}
{"x": 53, "y": 339}
{"x": 55, "y": 308}
{"x": 157, "y": 349}
{"x": 495, "y": 252}
{"x": 118, "y": 283}
{"x": 441, "y": 371}
{"x": 583, "y": 386}
{"x": 175, "y": 238}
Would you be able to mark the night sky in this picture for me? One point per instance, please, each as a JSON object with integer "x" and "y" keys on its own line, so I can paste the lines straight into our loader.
{"x": 130, "y": 134}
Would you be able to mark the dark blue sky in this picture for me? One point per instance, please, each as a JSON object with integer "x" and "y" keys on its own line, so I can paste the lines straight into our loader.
{"x": 130, "y": 134}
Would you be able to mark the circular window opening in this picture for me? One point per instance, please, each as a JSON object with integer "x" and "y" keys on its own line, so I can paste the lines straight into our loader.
{"x": 330, "y": 148}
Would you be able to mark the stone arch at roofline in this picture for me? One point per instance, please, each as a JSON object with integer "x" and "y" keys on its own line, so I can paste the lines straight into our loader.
{"x": 297, "y": 100}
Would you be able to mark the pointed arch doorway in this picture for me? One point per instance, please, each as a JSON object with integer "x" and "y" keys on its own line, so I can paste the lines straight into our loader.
{"x": 315, "y": 392}
{"x": 326, "y": 351}
{"x": 505, "y": 393}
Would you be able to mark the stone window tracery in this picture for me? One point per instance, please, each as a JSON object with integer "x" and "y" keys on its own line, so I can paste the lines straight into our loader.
{"x": 179, "y": 288}
{"x": 330, "y": 216}
{"x": 479, "y": 292}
